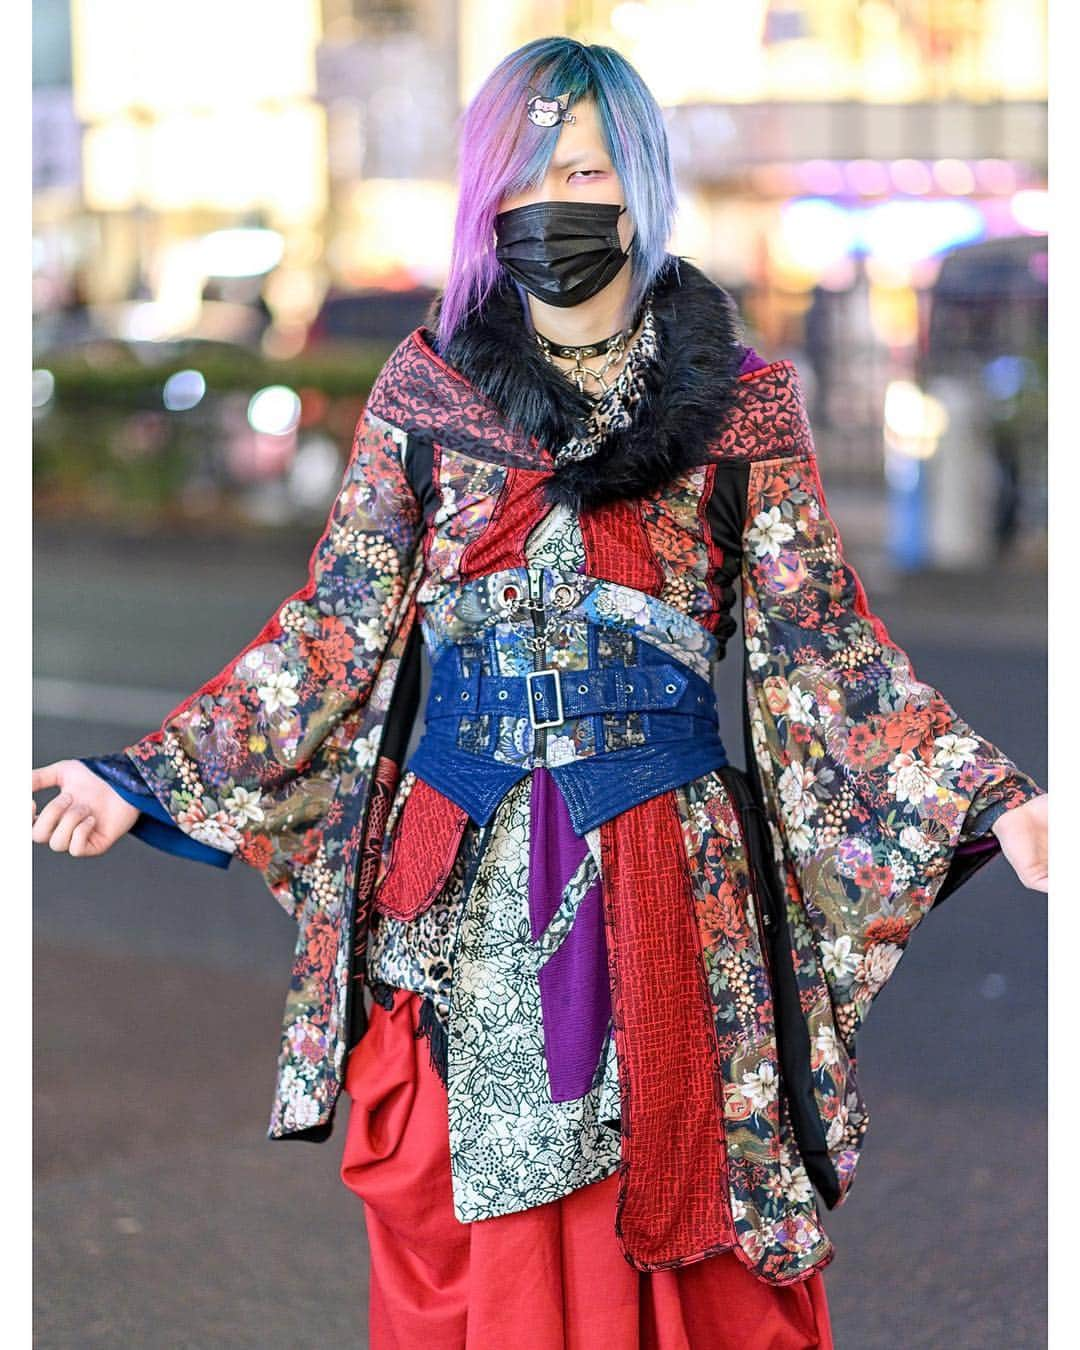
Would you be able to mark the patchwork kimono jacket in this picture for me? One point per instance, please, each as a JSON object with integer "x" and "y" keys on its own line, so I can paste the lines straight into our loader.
{"x": 634, "y": 956}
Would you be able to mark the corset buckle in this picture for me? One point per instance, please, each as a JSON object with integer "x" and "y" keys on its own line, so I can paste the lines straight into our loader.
{"x": 534, "y": 696}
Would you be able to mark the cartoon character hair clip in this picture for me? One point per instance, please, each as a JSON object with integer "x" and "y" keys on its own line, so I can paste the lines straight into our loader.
{"x": 547, "y": 112}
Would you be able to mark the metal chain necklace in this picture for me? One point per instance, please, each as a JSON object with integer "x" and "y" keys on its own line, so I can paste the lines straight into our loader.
{"x": 539, "y": 642}
{"x": 612, "y": 349}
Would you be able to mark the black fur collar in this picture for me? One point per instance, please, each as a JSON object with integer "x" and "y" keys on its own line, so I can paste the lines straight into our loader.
{"x": 687, "y": 393}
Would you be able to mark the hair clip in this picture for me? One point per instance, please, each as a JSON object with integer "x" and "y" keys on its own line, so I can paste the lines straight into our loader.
{"x": 547, "y": 112}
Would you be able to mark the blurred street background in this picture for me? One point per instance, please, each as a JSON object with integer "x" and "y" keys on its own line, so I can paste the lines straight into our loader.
{"x": 239, "y": 209}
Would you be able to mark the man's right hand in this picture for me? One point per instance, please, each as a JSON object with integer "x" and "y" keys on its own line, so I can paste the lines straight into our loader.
{"x": 86, "y": 817}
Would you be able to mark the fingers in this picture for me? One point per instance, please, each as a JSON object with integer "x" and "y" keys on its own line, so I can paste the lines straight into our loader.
{"x": 60, "y": 839}
{"x": 47, "y": 776}
{"x": 81, "y": 837}
{"x": 1037, "y": 878}
{"x": 58, "y": 821}
{"x": 49, "y": 817}
{"x": 1031, "y": 872}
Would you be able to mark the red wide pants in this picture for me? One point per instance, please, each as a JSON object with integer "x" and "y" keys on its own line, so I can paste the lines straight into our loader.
{"x": 548, "y": 1278}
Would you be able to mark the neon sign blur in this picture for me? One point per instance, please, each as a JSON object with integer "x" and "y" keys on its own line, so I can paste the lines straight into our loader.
{"x": 817, "y": 232}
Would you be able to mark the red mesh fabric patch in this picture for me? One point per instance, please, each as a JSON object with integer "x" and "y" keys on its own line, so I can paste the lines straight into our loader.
{"x": 768, "y": 418}
{"x": 617, "y": 547}
{"x": 426, "y": 843}
{"x": 673, "y": 1206}
{"x": 502, "y": 543}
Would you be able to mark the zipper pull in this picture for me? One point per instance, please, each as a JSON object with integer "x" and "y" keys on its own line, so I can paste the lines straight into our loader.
{"x": 536, "y": 585}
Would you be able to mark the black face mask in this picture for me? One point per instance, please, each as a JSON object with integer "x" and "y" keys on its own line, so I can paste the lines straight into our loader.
{"x": 561, "y": 252}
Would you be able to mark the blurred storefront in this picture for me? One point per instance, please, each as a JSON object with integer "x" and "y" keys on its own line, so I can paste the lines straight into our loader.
{"x": 202, "y": 155}
{"x": 830, "y": 154}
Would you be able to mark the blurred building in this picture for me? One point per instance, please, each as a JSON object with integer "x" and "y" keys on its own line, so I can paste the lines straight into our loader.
{"x": 388, "y": 80}
{"x": 202, "y": 156}
{"x": 829, "y": 154}
{"x": 56, "y": 160}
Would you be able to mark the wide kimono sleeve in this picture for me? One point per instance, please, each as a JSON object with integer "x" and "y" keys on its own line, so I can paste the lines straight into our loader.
{"x": 271, "y": 759}
{"x": 879, "y": 795}
{"x": 153, "y": 825}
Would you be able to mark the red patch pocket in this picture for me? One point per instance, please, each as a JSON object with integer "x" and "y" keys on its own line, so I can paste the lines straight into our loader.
{"x": 425, "y": 847}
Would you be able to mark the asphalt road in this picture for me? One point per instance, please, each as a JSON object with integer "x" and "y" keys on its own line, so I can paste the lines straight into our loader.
{"x": 163, "y": 1215}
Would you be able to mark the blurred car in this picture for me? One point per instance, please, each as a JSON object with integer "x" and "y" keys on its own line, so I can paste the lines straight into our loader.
{"x": 141, "y": 323}
{"x": 183, "y": 428}
{"x": 989, "y": 300}
{"x": 374, "y": 314}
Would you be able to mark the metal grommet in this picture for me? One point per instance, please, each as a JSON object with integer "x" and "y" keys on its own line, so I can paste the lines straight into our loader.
{"x": 438, "y": 698}
{"x": 563, "y": 595}
{"x": 509, "y": 592}
{"x": 536, "y": 695}
{"x": 583, "y": 688}
{"x": 501, "y": 693}
{"x": 465, "y": 694}
{"x": 629, "y": 688}
{"x": 671, "y": 688}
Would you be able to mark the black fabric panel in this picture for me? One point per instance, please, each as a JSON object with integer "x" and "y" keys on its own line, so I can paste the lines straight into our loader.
{"x": 397, "y": 729}
{"x": 724, "y": 515}
{"x": 727, "y": 506}
{"x": 401, "y": 714}
{"x": 792, "y": 1033}
{"x": 419, "y": 469}
{"x": 963, "y": 866}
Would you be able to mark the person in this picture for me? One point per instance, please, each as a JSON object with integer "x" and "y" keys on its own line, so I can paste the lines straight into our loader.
{"x": 593, "y": 990}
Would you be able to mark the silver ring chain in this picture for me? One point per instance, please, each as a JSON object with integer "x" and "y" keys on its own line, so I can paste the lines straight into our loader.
{"x": 537, "y": 642}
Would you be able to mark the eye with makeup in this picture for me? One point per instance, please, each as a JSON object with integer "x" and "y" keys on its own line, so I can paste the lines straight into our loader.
{"x": 585, "y": 172}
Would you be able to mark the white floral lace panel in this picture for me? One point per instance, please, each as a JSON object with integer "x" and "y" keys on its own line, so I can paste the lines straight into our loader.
{"x": 511, "y": 1146}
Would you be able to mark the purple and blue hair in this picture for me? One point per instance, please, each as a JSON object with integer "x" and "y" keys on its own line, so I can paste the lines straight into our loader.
{"x": 503, "y": 153}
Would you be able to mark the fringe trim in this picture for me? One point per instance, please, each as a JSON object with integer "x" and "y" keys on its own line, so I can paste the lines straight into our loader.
{"x": 383, "y": 994}
{"x": 432, "y": 1026}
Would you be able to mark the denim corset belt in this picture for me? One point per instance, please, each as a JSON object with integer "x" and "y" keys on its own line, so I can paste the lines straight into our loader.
{"x": 677, "y": 736}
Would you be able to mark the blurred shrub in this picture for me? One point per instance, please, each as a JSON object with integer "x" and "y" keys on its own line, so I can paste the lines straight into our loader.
{"x": 126, "y": 379}
{"x": 106, "y": 447}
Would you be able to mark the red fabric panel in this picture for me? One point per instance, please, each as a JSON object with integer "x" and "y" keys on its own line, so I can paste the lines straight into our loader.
{"x": 768, "y": 418}
{"x": 673, "y": 1205}
{"x": 617, "y": 547}
{"x": 426, "y": 842}
{"x": 544, "y": 1277}
{"x": 416, "y": 389}
{"x": 502, "y": 542}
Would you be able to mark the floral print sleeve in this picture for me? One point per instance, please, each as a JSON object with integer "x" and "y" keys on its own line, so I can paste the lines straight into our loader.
{"x": 874, "y": 781}
{"x": 153, "y": 825}
{"x": 259, "y": 760}
{"x": 994, "y": 800}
